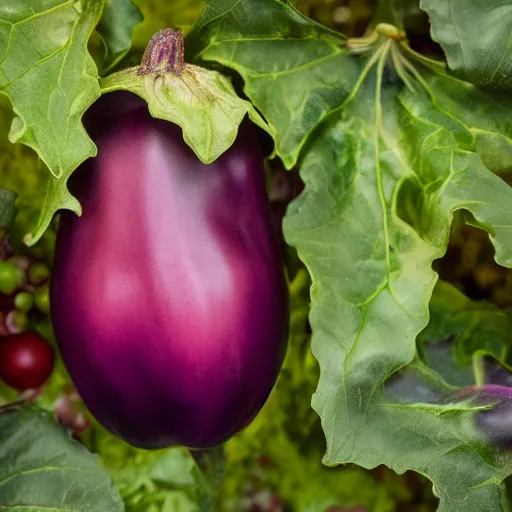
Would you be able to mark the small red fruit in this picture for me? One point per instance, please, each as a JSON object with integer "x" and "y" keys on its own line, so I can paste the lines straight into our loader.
{"x": 26, "y": 360}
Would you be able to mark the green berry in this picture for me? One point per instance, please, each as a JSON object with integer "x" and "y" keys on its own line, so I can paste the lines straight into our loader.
{"x": 8, "y": 277}
{"x": 24, "y": 301}
{"x": 42, "y": 298}
{"x": 38, "y": 273}
{"x": 20, "y": 276}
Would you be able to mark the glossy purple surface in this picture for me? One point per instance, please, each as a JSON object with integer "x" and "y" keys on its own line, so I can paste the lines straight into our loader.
{"x": 168, "y": 295}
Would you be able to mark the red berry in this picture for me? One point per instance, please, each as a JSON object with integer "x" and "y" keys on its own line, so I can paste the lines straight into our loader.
{"x": 26, "y": 360}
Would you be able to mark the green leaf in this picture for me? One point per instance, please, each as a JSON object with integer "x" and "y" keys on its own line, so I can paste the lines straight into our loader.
{"x": 459, "y": 329}
{"x": 383, "y": 178}
{"x": 49, "y": 77}
{"x": 115, "y": 28}
{"x": 382, "y": 185}
{"x": 286, "y": 61}
{"x": 480, "y": 112}
{"x": 148, "y": 479}
{"x": 173, "y": 467}
{"x": 7, "y": 207}
{"x": 51, "y": 80}
{"x": 41, "y": 468}
{"x": 298, "y": 87}
{"x": 433, "y": 434}
{"x": 389, "y": 147}
{"x": 202, "y": 102}
{"x": 475, "y": 37}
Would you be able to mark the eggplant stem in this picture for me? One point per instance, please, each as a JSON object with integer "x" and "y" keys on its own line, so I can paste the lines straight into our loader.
{"x": 210, "y": 468}
{"x": 165, "y": 52}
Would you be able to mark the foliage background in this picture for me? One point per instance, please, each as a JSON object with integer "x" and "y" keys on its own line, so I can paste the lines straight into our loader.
{"x": 275, "y": 464}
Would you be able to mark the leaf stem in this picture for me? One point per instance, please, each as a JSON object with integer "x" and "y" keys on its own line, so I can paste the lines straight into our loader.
{"x": 366, "y": 43}
{"x": 478, "y": 368}
{"x": 412, "y": 69}
{"x": 390, "y": 31}
{"x": 377, "y": 130}
{"x": 399, "y": 67}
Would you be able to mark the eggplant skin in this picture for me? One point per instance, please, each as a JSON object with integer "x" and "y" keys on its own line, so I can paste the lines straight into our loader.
{"x": 168, "y": 296}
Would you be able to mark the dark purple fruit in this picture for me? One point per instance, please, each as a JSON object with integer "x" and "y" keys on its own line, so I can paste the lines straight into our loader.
{"x": 168, "y": 295}
{"x": 26, "y": 360}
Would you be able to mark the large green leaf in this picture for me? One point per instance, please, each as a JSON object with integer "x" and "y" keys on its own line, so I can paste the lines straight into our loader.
{"x": 383, "y": 178}
{"x": 476, "y": 38}
{"x": 389, "y": 147}
{"x": 41, "y": 468}
{"x": 414, "y": 422}
{"x": 51, "y": 80}
{"x": 49, "y": 76}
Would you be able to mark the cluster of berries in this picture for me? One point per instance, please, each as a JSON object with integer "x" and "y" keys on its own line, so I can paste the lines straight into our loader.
{"x": 26, "y": 358}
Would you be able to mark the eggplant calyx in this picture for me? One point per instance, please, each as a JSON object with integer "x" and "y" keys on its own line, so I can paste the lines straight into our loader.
{"x": 165, "y": 52}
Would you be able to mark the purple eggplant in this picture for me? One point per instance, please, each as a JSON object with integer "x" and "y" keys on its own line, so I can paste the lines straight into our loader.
{"x": 168, "y": 296}
{"x": 496, "y": 422}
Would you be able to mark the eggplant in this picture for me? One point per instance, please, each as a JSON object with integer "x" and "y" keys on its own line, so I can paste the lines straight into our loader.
{"x": 495, "y": 422}
{"x": 493, "y": 419}
{"x": 168, "y": 296}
